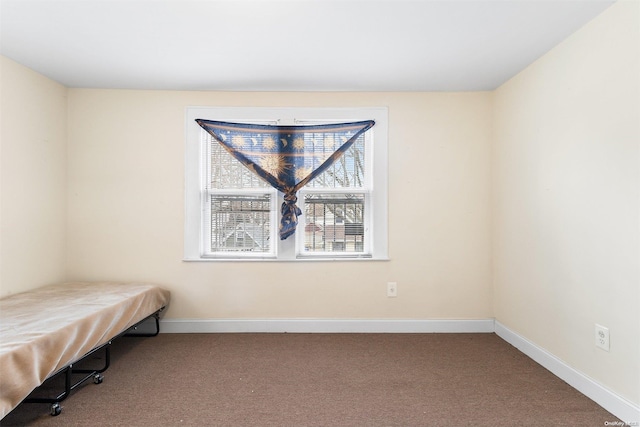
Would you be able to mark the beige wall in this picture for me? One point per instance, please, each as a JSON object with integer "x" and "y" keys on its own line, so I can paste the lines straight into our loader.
{"x": 565, "y": 205}
{"x": 125, "y": 211}
{"x": 33, "y": 133}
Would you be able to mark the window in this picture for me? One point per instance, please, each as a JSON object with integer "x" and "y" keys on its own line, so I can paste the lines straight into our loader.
{"x": 232, "y": 214}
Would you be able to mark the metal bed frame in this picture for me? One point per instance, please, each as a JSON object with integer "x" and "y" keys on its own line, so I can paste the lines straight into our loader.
{"x": 69, "y": 370}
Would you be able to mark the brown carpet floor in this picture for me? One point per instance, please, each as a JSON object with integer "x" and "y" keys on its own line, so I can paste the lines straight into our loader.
{"x": 320, "y": 380}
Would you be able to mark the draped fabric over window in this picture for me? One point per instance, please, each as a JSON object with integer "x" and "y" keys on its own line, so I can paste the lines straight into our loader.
{"x": 287, "y": 157}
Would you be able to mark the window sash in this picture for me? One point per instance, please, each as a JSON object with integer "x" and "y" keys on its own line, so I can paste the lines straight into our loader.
{"x": 350, "y": 237}
{"x": 258, "y": 236}
{"x": 219, "y": 162}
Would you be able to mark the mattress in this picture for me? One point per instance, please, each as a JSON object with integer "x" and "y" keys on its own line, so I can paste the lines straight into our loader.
{"x": 44, "y": 330}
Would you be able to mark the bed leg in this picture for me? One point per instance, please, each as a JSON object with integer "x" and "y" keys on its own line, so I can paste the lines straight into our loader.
{"x": 156, "y": 317}
{"x": 56, "y": 409}
{"x": 107, "y": 362}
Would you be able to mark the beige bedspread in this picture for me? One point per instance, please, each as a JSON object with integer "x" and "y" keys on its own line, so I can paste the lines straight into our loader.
{"x": 46, "y": 329}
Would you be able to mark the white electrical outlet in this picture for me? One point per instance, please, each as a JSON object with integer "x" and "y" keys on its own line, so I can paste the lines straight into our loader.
{"x": 392, "y": 289}
{"x": 602, "y": 337}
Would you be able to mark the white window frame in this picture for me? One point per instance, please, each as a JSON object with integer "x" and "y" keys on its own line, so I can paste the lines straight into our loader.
{"x": 286, "y": 250}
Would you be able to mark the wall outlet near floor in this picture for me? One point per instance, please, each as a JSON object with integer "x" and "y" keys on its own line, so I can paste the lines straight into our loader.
{"x": 602, "y": 337}
{"x": 392, "y": 289}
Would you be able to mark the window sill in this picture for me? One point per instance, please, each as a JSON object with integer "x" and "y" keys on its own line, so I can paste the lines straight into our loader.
{"x": 305, "y": 259}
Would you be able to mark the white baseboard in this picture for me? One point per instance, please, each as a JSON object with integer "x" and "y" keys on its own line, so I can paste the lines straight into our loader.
{"x": 325, "y": 326}
{"x": 618, "y": 406}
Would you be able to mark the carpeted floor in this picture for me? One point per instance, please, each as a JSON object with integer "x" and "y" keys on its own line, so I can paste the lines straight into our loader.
{"x": 320, "y": 380}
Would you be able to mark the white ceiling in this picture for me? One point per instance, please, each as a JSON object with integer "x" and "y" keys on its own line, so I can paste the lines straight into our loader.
{"x": 314, "y": 45}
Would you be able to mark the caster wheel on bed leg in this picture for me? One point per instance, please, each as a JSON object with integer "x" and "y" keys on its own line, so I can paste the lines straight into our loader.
{"x": 97, "y": 379}
{"x": 56, "y": 409}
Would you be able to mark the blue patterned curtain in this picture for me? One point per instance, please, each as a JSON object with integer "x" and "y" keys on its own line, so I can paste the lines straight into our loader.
{"x": 287, "y": 157}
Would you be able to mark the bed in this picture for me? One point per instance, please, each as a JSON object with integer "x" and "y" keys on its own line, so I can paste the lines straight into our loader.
{"x": 43, "y": 332}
